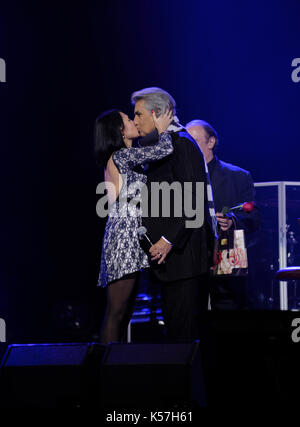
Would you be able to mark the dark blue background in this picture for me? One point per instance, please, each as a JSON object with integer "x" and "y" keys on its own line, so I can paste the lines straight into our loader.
{"x": 226, "y": 62}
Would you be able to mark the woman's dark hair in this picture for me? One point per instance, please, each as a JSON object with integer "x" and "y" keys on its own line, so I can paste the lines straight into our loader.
{"x": 107, "y": 135}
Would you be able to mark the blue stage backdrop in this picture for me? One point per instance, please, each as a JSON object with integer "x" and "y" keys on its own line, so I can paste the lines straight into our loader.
{"x": 226, "y": 62}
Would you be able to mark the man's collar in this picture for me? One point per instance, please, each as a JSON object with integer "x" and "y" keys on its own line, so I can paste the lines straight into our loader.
{"x": 175, "y": 125}
{"x": 213, "y": 161}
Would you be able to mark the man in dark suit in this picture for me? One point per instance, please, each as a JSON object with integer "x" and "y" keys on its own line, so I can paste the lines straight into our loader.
{"x": 180, "y": 255}
{"x": 231, "y": 186}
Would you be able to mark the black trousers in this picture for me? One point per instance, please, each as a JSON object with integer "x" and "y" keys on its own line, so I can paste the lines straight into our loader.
{"x": 228, "y": 293}
{"x": 184, "y": 303}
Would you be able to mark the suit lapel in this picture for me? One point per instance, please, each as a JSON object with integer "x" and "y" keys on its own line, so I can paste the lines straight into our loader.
{"x": 219, "y": 184}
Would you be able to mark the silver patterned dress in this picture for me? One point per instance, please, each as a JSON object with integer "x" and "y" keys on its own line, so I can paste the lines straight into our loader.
{"x": 121, "y": 250}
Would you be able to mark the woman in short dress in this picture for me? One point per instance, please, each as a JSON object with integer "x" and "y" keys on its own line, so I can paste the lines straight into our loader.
{"x": 122, "y": 256}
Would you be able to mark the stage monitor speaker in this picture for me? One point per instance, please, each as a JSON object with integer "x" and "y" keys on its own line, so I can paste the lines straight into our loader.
{"x": 51, "y": 375}
{"x": 152, "y": 375}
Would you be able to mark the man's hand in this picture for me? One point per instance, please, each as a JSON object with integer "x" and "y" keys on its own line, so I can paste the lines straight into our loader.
{"x": 160, "y": 250}
{"x": 224, "y": 222}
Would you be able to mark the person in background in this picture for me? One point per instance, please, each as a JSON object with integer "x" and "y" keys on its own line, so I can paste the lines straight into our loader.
{"x": 231, "y": 186}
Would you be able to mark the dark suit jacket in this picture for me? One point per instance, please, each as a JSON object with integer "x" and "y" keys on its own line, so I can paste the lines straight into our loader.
{"x": 191, "y": 252}
{"x": 232, "y": 186}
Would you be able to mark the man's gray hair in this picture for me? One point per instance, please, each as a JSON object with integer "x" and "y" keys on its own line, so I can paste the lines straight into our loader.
{"x": 155, "y": 99}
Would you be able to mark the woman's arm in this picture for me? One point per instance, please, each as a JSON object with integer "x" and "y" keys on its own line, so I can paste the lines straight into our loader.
{"x": 127, "y": 158}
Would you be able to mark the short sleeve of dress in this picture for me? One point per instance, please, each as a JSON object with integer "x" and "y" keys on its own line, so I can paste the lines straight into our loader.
{"x": 127, "y": 158}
